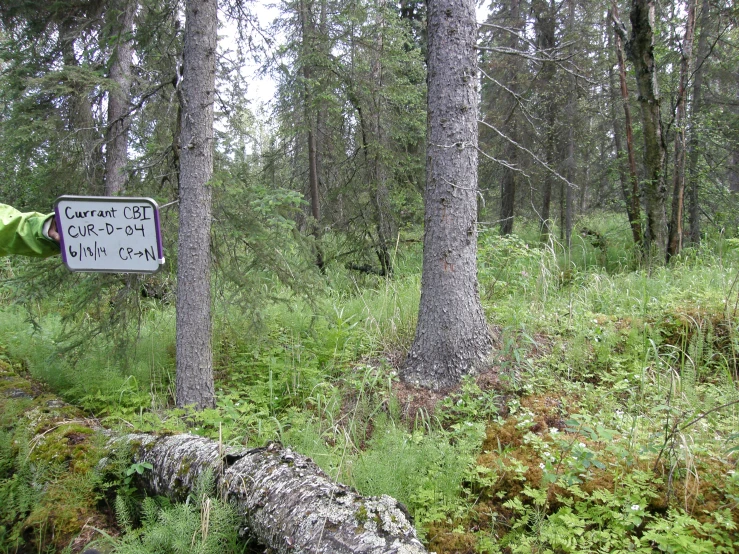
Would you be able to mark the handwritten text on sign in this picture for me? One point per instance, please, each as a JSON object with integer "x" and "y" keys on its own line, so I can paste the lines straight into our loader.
{"x": 109, "y": 234}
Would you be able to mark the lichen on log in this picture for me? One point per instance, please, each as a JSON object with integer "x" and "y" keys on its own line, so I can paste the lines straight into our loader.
{"x": 283, "y": 498}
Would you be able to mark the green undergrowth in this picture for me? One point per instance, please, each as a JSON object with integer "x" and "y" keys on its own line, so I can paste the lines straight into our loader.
{"x": 51, "y": 494}
{"x": 204, "y": 524}
{"x": 608, "y": 420}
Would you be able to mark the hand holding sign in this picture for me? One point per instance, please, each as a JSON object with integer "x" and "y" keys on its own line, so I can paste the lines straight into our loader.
{"x": 109, "y": 234}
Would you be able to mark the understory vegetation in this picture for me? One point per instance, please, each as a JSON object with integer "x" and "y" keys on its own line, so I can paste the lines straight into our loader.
{"x": 607, "y": 421}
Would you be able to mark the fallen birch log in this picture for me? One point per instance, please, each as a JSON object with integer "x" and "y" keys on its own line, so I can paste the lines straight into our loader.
{"x": 283, "y": 498}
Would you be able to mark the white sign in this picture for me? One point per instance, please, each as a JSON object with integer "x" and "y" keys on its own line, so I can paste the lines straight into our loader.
{"x": 109, "y": 234}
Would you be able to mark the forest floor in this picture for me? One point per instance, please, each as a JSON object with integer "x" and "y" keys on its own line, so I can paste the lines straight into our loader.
{"x": 607, "y": 419}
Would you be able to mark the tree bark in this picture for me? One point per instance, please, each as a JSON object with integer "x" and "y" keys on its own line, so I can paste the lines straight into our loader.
{"x": 508, "y": 180}
{"x": 308, "y": 47}
{"x": 630, "y": 184}
{"x": 452, "y": 337}
{"x": 508, "y": 187}
{"x": 695, "y": 110}
{"x": 641, "y": 49}
{"x": 675, "y": 237}
{"x": 571, "y": 115}
{"x": 194, "y": 353}
{"x": 118, "y": 98}
{"x": 545, "y": 32}
{"x": 81, "y": 119}
{"x": 283, "y": 499}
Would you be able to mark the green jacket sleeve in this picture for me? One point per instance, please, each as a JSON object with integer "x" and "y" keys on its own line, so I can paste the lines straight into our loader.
{"x": 22, "y": 233}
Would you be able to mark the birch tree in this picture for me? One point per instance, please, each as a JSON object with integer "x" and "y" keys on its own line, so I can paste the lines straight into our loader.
{"x": 641, "y": 50}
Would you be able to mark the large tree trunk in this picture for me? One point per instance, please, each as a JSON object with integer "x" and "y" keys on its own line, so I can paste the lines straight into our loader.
{"x": 675, "y": 238}
{"x": 283, "y": 499}
{"x": 194, "y": 353}
{"x": 452, "y": 336}
{"x": 118, "y": 121}
{"x": 641, "y": 49}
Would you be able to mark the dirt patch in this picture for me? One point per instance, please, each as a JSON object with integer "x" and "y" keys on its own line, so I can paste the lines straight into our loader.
{"x": 417, "y": 403}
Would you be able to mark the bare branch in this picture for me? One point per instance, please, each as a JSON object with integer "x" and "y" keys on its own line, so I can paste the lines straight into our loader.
{"x": 530, "y": 153}
{"x": 516, "y": 96}
{"x": 524, "y": 54}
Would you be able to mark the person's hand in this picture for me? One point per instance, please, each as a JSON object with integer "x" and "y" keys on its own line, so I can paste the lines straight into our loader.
{"x": 53, "y": 233}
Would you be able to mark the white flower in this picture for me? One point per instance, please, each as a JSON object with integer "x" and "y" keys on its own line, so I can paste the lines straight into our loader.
{"x": 542, "y": 466}
{"x": 554, "y": 430}
{"x": 636, "y": 507}
{"x": 582, "y": 445}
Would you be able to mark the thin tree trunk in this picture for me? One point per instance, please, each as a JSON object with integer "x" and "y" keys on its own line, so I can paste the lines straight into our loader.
{"x": 284, "y": 500}
{"x": 118, "y": 98}
{"x": 655, "y": 151}
{"x": 194, "y": 353}
{"x": 310, "y": 120}
{"x": 571, "y": 113}
{"x": 675, "y": 237}
{"x": 452, "y": 337}
{"x": 384, "y": 225}
{"x": 733, "y": 169}
{"x": 545, "y": 29}
{"x": 508, "y": 187}
{"x": 630, "y": 185}
{"x": 508, "y": 180}
{"x": 695, "y": 111}
{"x": 570, "y": 176}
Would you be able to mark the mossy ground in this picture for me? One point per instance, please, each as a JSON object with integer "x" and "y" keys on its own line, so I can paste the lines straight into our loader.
{"x": 53, "y": 497}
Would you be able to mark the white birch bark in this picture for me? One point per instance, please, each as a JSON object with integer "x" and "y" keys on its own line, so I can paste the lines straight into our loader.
{"x": 283, "y": 498}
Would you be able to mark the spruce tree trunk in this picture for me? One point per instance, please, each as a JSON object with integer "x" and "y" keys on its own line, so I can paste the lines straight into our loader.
{"x": 508, "y": 187}
{"x": 546, "y": 38}
{"x": 452, "y": 336}
{"x": 284, "y": 500}
{"x": 508, "y": 180}
{"x": 655, "y": 189}
{"x": 118, "y": 97}
{"x": 194, "y": 354}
